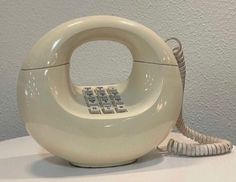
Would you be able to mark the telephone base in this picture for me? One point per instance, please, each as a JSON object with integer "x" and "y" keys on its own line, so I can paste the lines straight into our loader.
{"x": 102, "y": 165}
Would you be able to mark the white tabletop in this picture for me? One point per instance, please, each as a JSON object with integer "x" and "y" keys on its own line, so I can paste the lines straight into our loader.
{"x": 22, "y": 159}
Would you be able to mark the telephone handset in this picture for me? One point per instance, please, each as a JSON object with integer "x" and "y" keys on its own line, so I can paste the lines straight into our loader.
{"x": 107, "y": 125}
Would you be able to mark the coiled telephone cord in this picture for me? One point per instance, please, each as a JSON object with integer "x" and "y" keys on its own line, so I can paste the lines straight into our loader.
{"x": 207, "y": 145}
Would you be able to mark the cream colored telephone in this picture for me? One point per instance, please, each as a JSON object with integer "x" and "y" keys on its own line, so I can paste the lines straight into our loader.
{"x": 107, "y": 125}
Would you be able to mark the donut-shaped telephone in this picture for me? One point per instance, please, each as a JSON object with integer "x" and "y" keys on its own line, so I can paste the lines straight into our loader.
{"x": 102, "y": 125}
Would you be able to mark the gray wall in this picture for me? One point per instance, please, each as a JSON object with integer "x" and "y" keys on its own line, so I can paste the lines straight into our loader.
{"x": 206, "y": 29}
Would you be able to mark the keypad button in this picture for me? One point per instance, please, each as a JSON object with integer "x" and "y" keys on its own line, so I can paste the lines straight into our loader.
{"x": 105, "y": 102}
{"x": 91, "y": 101}
{"x": 107, "y": 109}
{"x": 111, "y": 97}
{"x": 120, "y": 108}
{"x": 117, "y": 98}
{"x": 99, "y": 89}
{"x": 101, "y": 93}
{"x": 87, "y": 88}
{"x": 115, "y": 103}
{"x": 89, "y": 94}
{"x": 87, "y": 91}
{"x": 112, "y": 91}
{"x": 103, "y": 98}
{"x": 94, "y": 110}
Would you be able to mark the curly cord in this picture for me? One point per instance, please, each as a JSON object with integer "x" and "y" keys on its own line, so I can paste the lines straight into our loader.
{"x": 207, "y": 145}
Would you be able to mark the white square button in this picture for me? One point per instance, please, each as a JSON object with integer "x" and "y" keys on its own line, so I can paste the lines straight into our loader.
{"x": 107, "y": 109}
{"x": 120, "y": 108}
{"x": 94, "y": 110}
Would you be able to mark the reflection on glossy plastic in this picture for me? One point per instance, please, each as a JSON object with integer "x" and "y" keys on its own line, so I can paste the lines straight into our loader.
{"x": 98, "y": 132}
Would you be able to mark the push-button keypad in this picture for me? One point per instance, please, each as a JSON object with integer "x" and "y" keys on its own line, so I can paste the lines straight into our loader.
{"x": 101, "y": 100}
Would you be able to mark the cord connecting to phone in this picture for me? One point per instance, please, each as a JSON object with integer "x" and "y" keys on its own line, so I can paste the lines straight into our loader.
{"x": 207, "y": 145}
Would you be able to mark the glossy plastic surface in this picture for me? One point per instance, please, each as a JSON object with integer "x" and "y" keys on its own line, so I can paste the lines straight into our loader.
{"x": 57, "y": 46}
{"x": 56, "y": 115}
